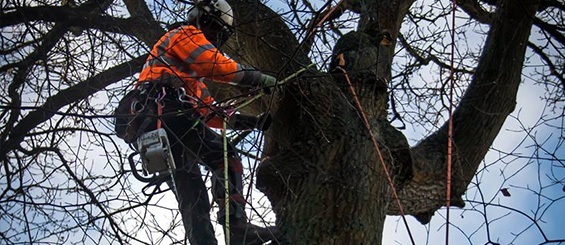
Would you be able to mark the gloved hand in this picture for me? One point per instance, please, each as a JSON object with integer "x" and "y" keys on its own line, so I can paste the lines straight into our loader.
{"x": 267, "y": 82}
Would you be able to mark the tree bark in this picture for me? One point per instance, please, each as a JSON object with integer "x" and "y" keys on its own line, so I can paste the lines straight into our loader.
{"x": 324, "y": 172}
{"x": 489, "y": 99}
{"x": 322, "y": 175}
{"x": 321, "y": 171}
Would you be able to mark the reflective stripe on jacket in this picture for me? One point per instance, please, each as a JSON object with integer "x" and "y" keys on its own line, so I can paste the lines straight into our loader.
{"x": 184, "y": 56}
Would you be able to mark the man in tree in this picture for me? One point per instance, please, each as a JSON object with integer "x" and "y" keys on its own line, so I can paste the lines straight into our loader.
{"x": 173, "y": 75}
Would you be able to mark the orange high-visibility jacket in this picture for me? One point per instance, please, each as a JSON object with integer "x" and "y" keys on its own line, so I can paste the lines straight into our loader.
{"x": 184, "y": 55}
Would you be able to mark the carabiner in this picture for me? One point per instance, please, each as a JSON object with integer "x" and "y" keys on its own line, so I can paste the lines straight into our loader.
{"x": 161, "y": 96}
{"x": 137, "y": 107}
{"x": 185, "y": 98}
{"x": 181, "y": 93}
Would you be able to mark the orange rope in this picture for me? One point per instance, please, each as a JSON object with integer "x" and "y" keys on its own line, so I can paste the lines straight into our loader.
{"x": 375, "y": 145}
{"x": 450, "y": 123}
{"x": 323, "y": 19}
{"x": 159, "y": 113}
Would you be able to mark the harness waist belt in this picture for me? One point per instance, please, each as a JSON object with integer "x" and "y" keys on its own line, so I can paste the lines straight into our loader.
{"x": 163, "y": 92}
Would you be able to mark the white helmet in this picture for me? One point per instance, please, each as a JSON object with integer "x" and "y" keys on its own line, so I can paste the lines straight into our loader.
{"x": 219, "y": 9}
{"x": 214, "y": 18}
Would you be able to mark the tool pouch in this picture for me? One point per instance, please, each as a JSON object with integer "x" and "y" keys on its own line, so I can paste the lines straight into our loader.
{"x": 126, "y": 117}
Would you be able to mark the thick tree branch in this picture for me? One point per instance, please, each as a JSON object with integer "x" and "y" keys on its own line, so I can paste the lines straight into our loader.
{"x": 552, "y": 67}
{"x": 141, "y": 24}
{"x": 490, "y": 98}
{"x": 17, "y": 15}
{"x": 23, "y": 68}
{"x": 474, "y": 9}
{"x": 552, "y": 30}
{"x": 145, "y": 27}
{"x": 68, "y": 96}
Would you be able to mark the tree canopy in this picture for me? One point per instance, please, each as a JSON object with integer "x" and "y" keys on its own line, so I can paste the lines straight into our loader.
{"x": 379, "y": 92}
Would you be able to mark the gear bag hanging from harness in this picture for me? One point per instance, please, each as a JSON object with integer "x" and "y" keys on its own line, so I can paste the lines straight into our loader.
{"x": 133, "y": 115}
{"x": 138, "y": 120}
{"x": 126, "y": 117}
{"x": 136, "y": 112}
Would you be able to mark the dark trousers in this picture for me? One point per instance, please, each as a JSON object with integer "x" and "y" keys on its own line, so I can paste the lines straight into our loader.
{"x": 194, "y": 143}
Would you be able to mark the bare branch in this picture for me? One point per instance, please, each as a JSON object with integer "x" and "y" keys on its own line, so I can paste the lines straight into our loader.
{"x": 65, "y": 97}
{"x": 474, "y": 9}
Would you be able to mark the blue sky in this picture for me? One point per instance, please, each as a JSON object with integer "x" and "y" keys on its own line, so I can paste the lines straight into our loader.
{"x": 520, "y": 172}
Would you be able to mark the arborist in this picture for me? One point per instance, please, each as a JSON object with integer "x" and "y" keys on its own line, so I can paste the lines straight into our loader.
{"x": 174, "y": 76}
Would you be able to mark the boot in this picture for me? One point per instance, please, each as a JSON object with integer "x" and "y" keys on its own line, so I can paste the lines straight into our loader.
{"x": 241, "y": 231}
{"x": 244, "y": 233}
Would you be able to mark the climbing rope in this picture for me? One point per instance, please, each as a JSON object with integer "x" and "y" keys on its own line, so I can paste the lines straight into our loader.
{"x": 375, "y": 145}
{"x": 225, "y": 146}
{"x": 324, "y": 18}
{"x": 226, "y": 184}
{"x": 450, "y": 123}
{"x": 281, "y": 82}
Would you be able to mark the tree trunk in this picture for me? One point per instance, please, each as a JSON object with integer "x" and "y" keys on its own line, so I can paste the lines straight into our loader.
{"x": 477, "y": 120}
{"x": 326, "y": 183}
{"x": 323, "y": 176}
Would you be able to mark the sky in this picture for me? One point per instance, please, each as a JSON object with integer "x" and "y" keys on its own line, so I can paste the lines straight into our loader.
{"x": 523, "y": 176}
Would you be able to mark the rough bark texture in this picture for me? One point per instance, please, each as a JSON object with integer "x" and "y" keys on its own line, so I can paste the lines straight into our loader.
{"x": 321, "y": 172}
{"x": 490, "y": 98}
{"x": 323, "y": 165}
{"x": 326, "y": 182}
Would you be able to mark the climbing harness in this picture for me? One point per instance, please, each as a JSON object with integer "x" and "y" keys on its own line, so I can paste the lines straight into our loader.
{"x": 185, "y": 98}
{"x": 154, "y": 147}
{"x": 158, "y": 165}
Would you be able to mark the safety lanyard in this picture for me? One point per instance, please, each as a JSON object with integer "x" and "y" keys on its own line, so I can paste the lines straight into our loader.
{"x": 159, "y": 102}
